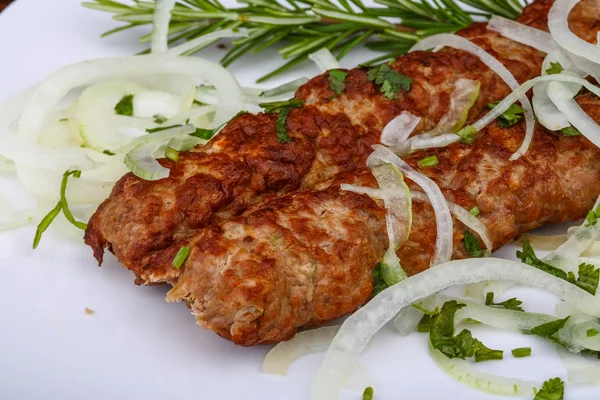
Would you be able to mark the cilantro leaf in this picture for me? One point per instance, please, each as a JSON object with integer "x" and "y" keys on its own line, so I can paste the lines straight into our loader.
{"x": 528, "y": 256}
{"x": 486, "y": 354}
{"x": 511, "y": 116}
{"x": 161, "y": 128}
{"x": 428, "y": 162}
{"x": 474, "y": 211}
{"x": 549, "y": 329}
{"x": 424, "y": 324}
{"x": 521, "y": 352}
{"x": 108, "y": 153}
{"x": 592, "y": 217}
{"x": 472, "y": 245}
{"x": 368, "y": 393}
{"x": 206, "y": 134}
{"x": 510, "y": 304}
{"x": 390, "y": 80}
{"x": 336, "y": 80}
{"x": 570, "y": 131}
{"x": 588, "y": 278}
{"x": 552, "y": 389}
{"x": 125, "y": 106}
{"x": 592, "y": 332}
{"x": 283, "y": 108}
{"x": 467, "y": 134}
{"x": 159, "y": 119}
{"x": 555, "y": 68}
{"x": 379, "y": 283}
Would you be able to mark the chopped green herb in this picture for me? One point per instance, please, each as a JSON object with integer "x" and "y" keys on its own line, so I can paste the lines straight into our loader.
{"x": 555, "y": 68}
{"x": 45, "y": 223}
{"x": 510, "y": 304}
{"x": 549, "y": 329}
{"x": 162, "y": 128}
{"x": 592, "y": 332}
{"x": 368, "y": 393}
{"x": 159, "y": 119}
{"x": 390, "y": 80}
{"x": 467, "y": 134}
{"x": 172, "y": 154}
{"x": 552, "y": 389}
{"x": 181, "y": 256}
{"x": 63, "y": 199}
{"x": 521, "y": 352}
{"x": 472, "y": 245}
{"x": 283, "y": 108}
{"x": 379, "y": 283}
{"x": 125, "y": 106}
{"x": 108, "y": 153}
{"x": 474, "y": 211}
{"x": 528, "y": 256}
{"x": 570, "y": 131}
{"x": 587, "y": 278}
{"x": 336, "y": 80}
{"x": 485, "y": 354}
{"x": 63, "y": 120}
{"x": 592, "y": 217}
{"x": 511, "y": 116}
{"x": 463, "y": 345}
{"x": 425, "y": 323}
{"x": 206, "y": 134}
{"x": 428, "y": 162}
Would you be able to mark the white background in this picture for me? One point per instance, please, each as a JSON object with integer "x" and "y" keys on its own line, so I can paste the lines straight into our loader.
{"x": 136, "y": 345}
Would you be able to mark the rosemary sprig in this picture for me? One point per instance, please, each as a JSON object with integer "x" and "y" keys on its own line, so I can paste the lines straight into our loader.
{"x": 305, "y": 26}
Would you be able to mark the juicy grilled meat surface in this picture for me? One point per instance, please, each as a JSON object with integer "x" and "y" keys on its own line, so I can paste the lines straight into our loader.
{"x": 302, "y": 251}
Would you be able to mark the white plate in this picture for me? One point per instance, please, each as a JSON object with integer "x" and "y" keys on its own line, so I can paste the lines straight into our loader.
{"x": 136, "y": 345}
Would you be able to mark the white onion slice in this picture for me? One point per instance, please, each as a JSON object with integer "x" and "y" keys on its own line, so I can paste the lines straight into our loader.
{"x": 579, "y": 370}
{"x": 407, "y": 320}
{"x": 558, "y": 24}
{"x": 465, "y": 373}
{"x": 160, "y": 30}
{"x": 205, "y": 40}
{"x": 521, "y": 33}
{"x": 281, "y": 357}
{"x": 463, "y": 97}
{"x": 443, "y": 240}
{"x": 359, "y": 328}
{"x": 496, "y": 66}
{"x": 324, "y": 60}
{"x": 545, "y": 111}
{"x": 399, "y": 129}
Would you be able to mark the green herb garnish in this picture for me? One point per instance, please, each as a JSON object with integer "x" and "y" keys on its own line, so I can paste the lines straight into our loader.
{"x": 592, "y": 332}
{"x": 368, "y": 393}
{"x": 425, "y": 323}
{"x": 592, "y": 217}
{"x": 521, "y": 352}
{"x": 549, "y": 329}
{"x": 283, "y": 108}
{"x": 108, "y": 153}
{"x": 181, "y": 256}
{"x": 379, "y": 283}
{"x": 510, "y": 117}
{"x": 587, "y": 278}
{"x": 552, "y": 389}
{"x": 390, "y": 80}
{"x": 172, "y": 154}
{"x": 63, "y": 120}
{"x": 570, "y": 131}
{"x": 510, "y": 304}
{"x": 428, "y": 162}
{"x": 467, "y": 134}
{"x": 45, "y": 223}
{"x": 472, "y": 245}
{"x": 159, "y": 119}
{"x": 474, "y": 211}
{"x": 336, "y": 80}
{"x": 125, "y": 106}
{"x": 485, "y": 354}
{"x": 555, "y": 68}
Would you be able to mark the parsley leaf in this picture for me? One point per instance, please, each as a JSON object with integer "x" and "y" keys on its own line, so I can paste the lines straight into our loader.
{"x": 485, "y": 354}
{"x": 588, "y": 278}
{"x": 428, "y": 162}
{"x": 511, "y": 116}
{"x": 552, "y": 389}
{"x": 368, "y": 393}
{"x": 283, "y": 108}
{"x": 379, "y": 283}
{"x": 125, "y": 106}
{"x": 161, "y": 128}
{"x": 390, "y": 80}
{"x": 472, "y": 245}
{"x": 206, "y": 134}
{"x": 528, "y": 256}
{"x": 555, "y": 68}
{"x": 158, "y": 119}
{"x": 336, "y": 80}
{"x": 424, "y": 324}
{"x": 549, "y": 329}
{"x": 570, "y": 131}
{"x": 510, "y": 304}
{"x": 474, "y": 211}
{"x": 467, "y": 134}
{"x": 592, "y": 217}
{"x": 521, "y": 352}
{"x": 592, "y": 332}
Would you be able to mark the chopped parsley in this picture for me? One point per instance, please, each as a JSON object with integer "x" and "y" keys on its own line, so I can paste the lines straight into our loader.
{"x": 161, "y": 128}
{"x": 181, "y": 256}
{"x": 108, "y": 153}
{"x": 283, "y": 108}
{"x": 592, "y": 217}
{"x": 474, "y": 211}
{"x": 206, "y": 134}
{"x": 125, "y": 106}
{"x": 592, "y": 332}
{"x": 555, "y": 68}
{"x": 463, "y": 345}
{"x": 428, "y": 162}
{"x": 549, "y": 329}
{"x": 467, "y": 134}
{"x": 171, "y": 154}
{"x": 158, "y": 119}
{"x": 63, "y": 120}
{"x": 511, "y": 116}
{"x": 552, "y": 389}
{"x": 390, "y": 80}
{"x": 587, "y": 279}
{"x": 336, "y": 80}
{"x": 379, "y": 283}
{"x": 510, "y": 304}
{"x": 472, "y": 245}
{"x": 521, "y": 352}
{"x": 368, "y": 393}
{"x": 424, "y": 324}
{"x": 570, "y": 131}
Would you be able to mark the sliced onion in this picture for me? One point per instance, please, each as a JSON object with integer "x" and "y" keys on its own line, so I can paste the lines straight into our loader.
{"x": 324, "y": 60}
{"x": 194, "y": 115}
{"x": 284, "y": 88}
{"x": 463, "y": 97}
{"x": 407, "y": 320}
{"x": 496, "y": 66}
{"x": 545, "y": 111}
{"x": 463, "y": 372}
{"x": 160, "y": 30}
{"x": 544, "y": 243}
{"x": 579, "y": 370}
{"x": 281, "y": 357}
{"x": 422, "y": 142}
{"x": 205, "y": 40}
{"x": 521, "y": 33}
{"x": 399, "y": 129}
{"x": 359, "y": 328}
{"x": 443, "y": 240}
{"x": 558, "y": 24}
